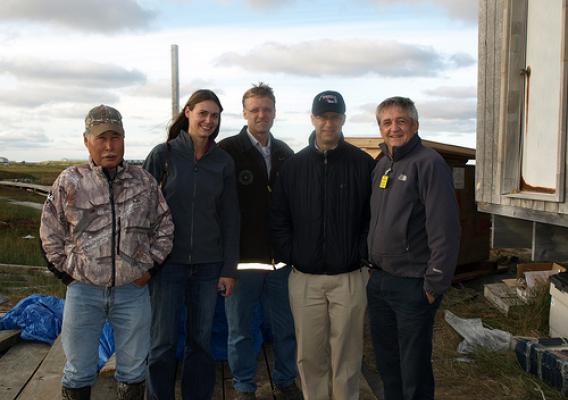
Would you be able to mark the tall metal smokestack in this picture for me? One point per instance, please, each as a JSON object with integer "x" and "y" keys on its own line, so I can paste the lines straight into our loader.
{"x": 175, "y": 81}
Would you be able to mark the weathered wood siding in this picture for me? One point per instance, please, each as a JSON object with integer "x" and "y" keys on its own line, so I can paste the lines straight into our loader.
{"x": 488, "y": 96}
{"x": 500, "y": 56}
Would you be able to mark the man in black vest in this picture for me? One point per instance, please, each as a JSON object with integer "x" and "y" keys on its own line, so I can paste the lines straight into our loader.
{"x": 258, "y": 157}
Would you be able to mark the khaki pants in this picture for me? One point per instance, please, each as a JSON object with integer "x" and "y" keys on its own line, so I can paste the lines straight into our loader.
{"x": 329, "y": 312}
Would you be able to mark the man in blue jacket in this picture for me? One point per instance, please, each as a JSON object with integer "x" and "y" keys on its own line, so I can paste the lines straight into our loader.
{"x": 319, "y": 225}
{"x": 413, "y": 243}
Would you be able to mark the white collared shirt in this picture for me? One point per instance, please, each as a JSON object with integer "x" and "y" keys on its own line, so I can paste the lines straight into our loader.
{"x": 264, "y": 150}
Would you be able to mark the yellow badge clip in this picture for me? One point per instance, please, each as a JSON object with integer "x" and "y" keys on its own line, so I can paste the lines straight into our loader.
{"x": 385, "y": 179}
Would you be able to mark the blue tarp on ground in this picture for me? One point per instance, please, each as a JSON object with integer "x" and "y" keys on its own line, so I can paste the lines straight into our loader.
{"x": 39, "y": 317}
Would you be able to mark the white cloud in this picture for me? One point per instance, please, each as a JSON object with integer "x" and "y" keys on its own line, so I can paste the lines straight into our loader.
{"x": 35, "y": 96}
{"x": 21, "y": 139}
{"x": 80, "y": 73}
{"x": 365, "y": 113}
{"x": 86, "y": 15}
{"x": 42, "y": 67}
{"x": 345, "y": 58}
{"x": 465, "y": 10}
{"x": 163, "y": 89}
{"x": 447, "y": 109}
{"x": 433, "y": 127}
{"x": 74, "y": 112}
{"x": 451, "y": 117}
{"x": 255, "y": 4}
{"x": 458, "y": 92}
{"x": 460, "y": 60}
{"x": 269, "y": 4}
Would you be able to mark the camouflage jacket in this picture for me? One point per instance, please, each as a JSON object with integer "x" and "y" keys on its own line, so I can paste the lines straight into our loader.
{"x": 106, "y": 232}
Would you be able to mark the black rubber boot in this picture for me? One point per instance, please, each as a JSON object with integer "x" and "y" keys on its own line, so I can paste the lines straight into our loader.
{"x": 130, "y": 391}
{"x": 83, "y": 393}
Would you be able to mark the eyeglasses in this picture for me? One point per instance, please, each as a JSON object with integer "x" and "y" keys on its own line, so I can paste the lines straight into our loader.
{"x": 265, "y": 110}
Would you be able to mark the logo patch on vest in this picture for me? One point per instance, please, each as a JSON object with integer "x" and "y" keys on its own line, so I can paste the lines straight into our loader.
{"x": 246, "y": 177}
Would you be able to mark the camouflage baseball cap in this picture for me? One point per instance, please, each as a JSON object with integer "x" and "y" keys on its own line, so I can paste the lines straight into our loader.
{"x": 101, "y": 119}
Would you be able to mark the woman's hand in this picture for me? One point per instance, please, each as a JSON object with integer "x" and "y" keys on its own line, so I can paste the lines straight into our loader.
{"x": 225, "y": 286}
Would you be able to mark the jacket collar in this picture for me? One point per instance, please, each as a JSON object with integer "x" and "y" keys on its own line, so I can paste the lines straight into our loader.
{"x": 121, "y": 170}
{"x": 246, "y": 143}
{"x": 244, "y": 140}
{"x": 184, "y": 144}
{"x": 399, "y": 153}
{"x": 312, "y": 143}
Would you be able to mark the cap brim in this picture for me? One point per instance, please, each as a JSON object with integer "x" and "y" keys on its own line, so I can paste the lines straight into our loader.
{"x": 99, "y": 129}
{"x": 328, "y": 108}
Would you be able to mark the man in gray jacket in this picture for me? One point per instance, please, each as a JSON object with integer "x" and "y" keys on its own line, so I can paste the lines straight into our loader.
{"x": 103, "y": 227}
{"x": 413, "y": 245}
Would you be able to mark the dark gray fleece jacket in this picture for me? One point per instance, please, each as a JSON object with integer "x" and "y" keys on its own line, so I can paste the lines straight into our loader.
{"x": 415, "y": 229}
{"x": 202, "y": 196}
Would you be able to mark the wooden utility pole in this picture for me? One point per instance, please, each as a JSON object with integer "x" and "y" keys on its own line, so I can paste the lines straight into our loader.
{"x": 175, "y": 81}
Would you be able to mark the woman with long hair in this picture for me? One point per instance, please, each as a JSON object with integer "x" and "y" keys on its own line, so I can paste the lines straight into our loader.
{"x": 198, "y": 181}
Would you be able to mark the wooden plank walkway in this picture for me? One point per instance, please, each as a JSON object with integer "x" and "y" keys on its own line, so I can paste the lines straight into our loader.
{"x": 8, "y": 338}
{"x": 40, "y": 189}
{"x": 46, "y": 382}
{"x": 18, "y": 365}
{"x": 224, "y": 383}
{"x": 33, "y": 371}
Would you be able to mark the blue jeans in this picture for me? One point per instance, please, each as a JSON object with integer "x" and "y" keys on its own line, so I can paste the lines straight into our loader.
{"x": 270, "y": 288}
{"x": 195, "y": 286}
{"x": 401, "y": 322}
{"x": 86, "y": 308}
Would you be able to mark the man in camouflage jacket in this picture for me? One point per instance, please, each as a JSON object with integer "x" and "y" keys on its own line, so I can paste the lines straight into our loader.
{"x": 103, "y": 228}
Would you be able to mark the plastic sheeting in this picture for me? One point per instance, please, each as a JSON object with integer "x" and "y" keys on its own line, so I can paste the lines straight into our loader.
{"x": 477, "y": 336}
{"x": 106, "y": 345}
{"x": 39, "y": 318}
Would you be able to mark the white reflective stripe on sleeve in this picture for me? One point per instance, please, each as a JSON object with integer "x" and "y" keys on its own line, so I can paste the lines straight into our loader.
{"x": 260, "y": 266}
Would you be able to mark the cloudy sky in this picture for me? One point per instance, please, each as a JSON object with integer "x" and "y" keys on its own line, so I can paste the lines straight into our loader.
{"x": 59, "y": 58}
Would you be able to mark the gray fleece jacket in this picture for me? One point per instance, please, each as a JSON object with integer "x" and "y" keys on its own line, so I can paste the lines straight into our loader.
{"x": 415, "y": 229}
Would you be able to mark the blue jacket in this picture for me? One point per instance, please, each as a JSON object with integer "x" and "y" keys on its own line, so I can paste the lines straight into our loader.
{"x": 202, "y": 196}
{"x": 320, "y": 209}
{"x": 415, "y": 229}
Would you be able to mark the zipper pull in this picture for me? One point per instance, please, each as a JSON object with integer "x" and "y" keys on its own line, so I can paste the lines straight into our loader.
{"x": 118, "y": 237}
